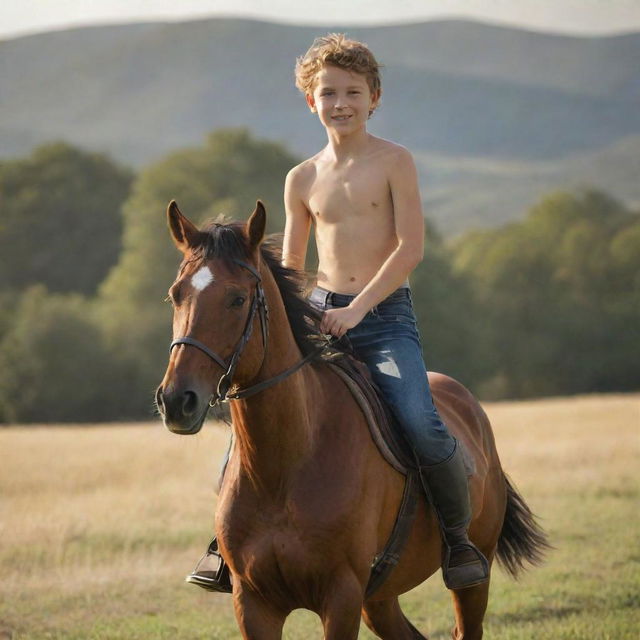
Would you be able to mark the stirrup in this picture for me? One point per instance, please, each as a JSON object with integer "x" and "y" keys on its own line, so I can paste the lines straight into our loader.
{"x": 218, "y": 579}
{"x": 472, "y": 571}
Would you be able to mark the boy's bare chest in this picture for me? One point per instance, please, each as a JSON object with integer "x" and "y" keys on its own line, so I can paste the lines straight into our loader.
{"x": 350, "y": 194}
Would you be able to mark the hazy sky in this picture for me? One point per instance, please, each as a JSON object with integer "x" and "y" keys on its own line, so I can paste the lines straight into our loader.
{"x": 568, "y": 16}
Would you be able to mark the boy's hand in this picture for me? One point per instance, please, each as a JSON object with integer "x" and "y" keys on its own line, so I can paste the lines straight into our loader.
{"x": 338, "y": 321}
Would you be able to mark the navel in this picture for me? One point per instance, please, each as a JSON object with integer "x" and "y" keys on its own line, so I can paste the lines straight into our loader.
{"x": 374, "y": 204}
{"x": 352, "y": 279}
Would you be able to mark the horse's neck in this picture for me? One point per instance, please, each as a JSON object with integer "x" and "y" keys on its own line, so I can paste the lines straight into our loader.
{"x": 272, "y": 435}
{"x": 272, "y": 427}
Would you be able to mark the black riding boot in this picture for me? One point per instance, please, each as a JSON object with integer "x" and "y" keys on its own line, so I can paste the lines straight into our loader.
{"x": 211, "y": 572}
{"x": 463, "y": 564}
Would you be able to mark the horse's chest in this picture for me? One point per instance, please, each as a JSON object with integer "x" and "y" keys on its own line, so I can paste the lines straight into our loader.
{"x": 280, "y": 553}
{"x": 285, "y": 549}
{"x": 280, "y": 539}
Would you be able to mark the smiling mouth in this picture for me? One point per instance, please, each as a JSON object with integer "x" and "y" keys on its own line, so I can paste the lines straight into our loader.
{"x": 340, "y": 117}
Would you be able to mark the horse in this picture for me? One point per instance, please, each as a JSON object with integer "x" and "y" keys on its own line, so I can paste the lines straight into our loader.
{"x": 307, "y": 501}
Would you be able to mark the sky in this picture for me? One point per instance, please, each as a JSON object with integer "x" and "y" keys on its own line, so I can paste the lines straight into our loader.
{"x": 580, "y": 17}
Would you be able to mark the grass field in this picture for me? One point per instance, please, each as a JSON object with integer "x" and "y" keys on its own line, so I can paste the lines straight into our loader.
{"x": 99, "y": 525}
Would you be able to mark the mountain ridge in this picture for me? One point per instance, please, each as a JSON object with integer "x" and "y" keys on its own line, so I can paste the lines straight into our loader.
{"x": 454, "y": 88}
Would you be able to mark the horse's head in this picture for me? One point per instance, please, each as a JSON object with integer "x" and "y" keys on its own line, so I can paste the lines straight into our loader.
{"x": 218, "y": 305}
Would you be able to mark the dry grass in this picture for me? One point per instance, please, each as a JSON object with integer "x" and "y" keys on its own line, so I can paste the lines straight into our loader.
{"x": 100, "y": 524}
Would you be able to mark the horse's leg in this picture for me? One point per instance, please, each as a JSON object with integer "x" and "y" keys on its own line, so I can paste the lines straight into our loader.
{"x": 256, "y": 618}
{"x": 386, "y": 620}
{"x": 470, "y": 606}
{"x": 341, "y": 611}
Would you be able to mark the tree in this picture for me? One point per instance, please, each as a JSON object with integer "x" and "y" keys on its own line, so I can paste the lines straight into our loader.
{"x": 54, "y": 366}
{"x": 448, "y": 318}
{"x": 227, "y": 175}
{"x": 60, "y": 221}
{"x": 555, "y": 291}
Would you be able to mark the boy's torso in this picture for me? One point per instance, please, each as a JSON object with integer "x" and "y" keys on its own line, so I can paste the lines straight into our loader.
{"x": 352, "y": 209}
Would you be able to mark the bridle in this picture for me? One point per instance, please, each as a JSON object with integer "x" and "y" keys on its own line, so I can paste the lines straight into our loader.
{"x": 258, "y": 305}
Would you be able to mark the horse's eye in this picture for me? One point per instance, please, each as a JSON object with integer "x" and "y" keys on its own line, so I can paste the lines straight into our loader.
{"x": 238, "y": 301}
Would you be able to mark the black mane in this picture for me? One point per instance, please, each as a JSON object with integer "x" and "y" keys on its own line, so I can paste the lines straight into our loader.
{"x": 228, "y": 242}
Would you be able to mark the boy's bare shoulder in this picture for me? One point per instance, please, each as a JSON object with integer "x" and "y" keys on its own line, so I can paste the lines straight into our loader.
{"x": 390, "y": 151}
{"x": 302, "y": 175}
{"x": 306, "y": 169}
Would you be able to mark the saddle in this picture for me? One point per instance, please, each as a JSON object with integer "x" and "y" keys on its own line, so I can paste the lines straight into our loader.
{"x": 395, "y": 450}
{"x": 382, "y": 424}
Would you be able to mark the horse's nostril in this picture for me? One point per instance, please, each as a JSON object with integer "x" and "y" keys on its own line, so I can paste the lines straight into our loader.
{"x": 189, "y": 403}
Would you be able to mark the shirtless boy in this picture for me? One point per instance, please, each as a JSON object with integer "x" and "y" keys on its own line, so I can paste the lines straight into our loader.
{"x": 361, "y": 194}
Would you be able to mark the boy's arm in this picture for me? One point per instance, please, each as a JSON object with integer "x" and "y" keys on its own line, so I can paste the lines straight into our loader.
{"x": 297, "y": 225}
{"x": 409, "y": 227}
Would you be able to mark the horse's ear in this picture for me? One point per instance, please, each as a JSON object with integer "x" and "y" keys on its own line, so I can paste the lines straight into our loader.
{"x": 256, "y": 224}
{"x": 182, "y": 230}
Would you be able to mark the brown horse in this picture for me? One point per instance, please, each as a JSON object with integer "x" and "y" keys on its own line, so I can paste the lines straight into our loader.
{"x": 307, "y": 500}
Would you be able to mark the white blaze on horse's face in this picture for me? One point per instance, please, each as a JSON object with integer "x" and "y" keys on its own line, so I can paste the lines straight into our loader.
{"x": 202, "y": 278}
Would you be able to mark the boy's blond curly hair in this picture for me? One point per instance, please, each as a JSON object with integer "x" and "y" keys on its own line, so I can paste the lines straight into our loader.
{"x": 337, "y": 50}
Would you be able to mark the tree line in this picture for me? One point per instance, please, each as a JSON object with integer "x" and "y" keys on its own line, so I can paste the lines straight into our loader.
{"x": 549, "y": 305}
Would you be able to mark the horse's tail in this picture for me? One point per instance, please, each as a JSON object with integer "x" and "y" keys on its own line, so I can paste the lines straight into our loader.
{"x": 522, "y": 540}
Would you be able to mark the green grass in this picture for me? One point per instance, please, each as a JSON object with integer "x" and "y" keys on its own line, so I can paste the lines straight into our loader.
{"x": 99, "y": 527}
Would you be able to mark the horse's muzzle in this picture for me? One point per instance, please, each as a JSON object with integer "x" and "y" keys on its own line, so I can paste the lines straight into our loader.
{"x": 183, "y": 410}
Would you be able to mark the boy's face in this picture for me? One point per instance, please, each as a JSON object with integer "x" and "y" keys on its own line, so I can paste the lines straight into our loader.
{"x": 342, "y": 99}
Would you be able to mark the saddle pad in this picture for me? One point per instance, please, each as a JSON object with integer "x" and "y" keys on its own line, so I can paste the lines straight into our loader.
{"x": 386, "y": 436}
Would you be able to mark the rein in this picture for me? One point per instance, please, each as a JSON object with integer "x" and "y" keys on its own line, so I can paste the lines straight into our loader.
{"x": 258, "y": 304}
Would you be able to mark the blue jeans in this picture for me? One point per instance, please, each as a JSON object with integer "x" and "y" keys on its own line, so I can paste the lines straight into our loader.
{"x": 387, "y": 341}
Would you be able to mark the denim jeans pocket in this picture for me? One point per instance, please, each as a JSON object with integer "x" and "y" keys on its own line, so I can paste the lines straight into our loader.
{"x": 396, "y": 311}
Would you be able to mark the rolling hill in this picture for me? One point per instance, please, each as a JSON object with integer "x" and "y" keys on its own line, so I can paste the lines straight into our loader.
{"x": 492, "y": 113}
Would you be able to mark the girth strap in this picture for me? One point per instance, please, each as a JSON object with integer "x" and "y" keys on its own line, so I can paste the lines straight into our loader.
{"x": 385, "y": 562}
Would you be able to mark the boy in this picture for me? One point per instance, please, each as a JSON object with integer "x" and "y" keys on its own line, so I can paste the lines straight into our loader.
{"x": 362, "y": 194}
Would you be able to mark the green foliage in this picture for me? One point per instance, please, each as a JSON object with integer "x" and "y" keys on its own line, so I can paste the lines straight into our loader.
{"x": 547, "y": 306}
{"x": 53, "y": 362}
{"x": 227, "y": 175}
{"x": 446, "y": 312}
{"x": 559, "y": 296}
{"x": 60, "y": 219}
